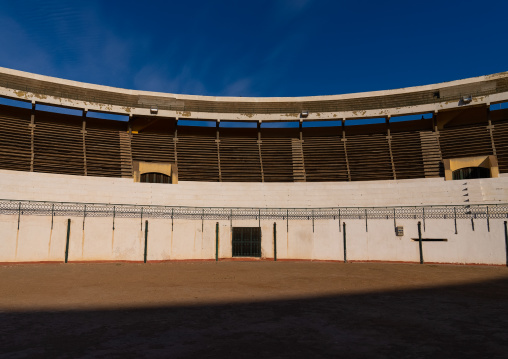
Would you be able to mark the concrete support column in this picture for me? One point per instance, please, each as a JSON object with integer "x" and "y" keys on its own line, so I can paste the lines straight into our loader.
{"x": 83, "y": 131}
{"x": 32, "y": 135}
{"x": 490, "y": 127}
{"x": 344, "y": 140}
{"x": 217, "y": 141}
{"x": 436, "y": 134}
{"x": 260, "y": 153}
{"x": 389, "y": 139}
{"x": 129, "y": 126}
{"x": 175, "y": 141}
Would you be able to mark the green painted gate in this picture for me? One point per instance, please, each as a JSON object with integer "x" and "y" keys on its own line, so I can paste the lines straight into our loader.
{"x": 246, "y": 242}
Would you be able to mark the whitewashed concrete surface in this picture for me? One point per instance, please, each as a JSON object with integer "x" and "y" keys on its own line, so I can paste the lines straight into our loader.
{"x": 431, "y": 191}
{"x": 35, "y": 240}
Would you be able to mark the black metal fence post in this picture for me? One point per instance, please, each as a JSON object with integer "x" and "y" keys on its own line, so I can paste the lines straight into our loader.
{"x": 366, "y": 223}
{"x": 506, "y": 242}
{"x": 423, "y": 218}
{"x": 312, "y": 221}
{"x": 217, "y": 241}
{"x": 287, "y": 220}
{"x": 84, "y": 216}
{"x": 275, "y": 241}
{"x": 420, "y": 241}
{"x": 146, "y": 240}
{"x": 19, "y": 214}
{"x": 67, "y": 240}
{"x": 344, "y": 241}
{"x": 141, "y": 220}
{"x": 339, "y": 219}
{"x": 455, "y": 218}
{"x": 488, "y": 219}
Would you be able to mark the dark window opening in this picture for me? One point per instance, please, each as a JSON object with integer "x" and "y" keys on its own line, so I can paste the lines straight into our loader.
{"x": 155, "y": 177}
{"x": 246, "y": 242}
{"x": 471, "y": 173}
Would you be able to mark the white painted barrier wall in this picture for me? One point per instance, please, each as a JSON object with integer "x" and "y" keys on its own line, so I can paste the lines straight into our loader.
{"x": 96, "y": 240}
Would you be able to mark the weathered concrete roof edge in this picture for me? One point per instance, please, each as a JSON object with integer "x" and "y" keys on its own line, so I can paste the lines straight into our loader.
{"x": 84, "y": 85}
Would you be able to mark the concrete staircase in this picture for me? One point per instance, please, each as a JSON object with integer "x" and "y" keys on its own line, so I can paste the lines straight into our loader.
{"x": 298, "y": 164}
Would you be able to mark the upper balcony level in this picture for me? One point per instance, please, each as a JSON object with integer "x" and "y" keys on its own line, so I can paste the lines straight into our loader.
{"x": 483, "y": 90}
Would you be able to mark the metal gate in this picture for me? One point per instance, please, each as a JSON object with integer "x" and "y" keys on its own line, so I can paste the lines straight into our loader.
{"x": 246, "y": 242}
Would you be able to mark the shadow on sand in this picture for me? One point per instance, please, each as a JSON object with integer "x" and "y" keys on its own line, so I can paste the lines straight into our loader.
{"x": 453, "y": 321}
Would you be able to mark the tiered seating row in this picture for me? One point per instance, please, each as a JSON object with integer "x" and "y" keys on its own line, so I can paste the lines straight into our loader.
{"x": 239, "y": 159}
{"x": 155, "y": 147}
{"x": 369, "y": 157}
{"x": 58, "y": 144}
{"x": 104, "y": 153}
{"x": 197, "y": 159}
{"x": 501, "y": 142}
{"x": 277, "y": 156}
{"x": 407, "y": 155}
{"x": 473, "y": 140}
{"x": 105, "y": 149}
{"x": 325, "y": 159}
{"x": 15, "y": 140}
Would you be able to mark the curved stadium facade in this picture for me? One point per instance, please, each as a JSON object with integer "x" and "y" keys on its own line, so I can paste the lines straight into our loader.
{"x": 359, "y": 187}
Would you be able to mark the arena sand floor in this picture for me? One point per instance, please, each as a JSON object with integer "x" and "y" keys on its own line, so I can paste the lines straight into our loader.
{"x": 253, "y": 309}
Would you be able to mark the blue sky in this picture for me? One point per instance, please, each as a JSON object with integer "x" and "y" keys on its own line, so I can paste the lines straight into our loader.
{"x": 255, "y": 48}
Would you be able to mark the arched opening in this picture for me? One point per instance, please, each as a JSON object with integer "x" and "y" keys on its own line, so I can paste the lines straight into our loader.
{"x": 471, "y": 167}
{"x": 155, "y": 177}
{"x": 471, "y": 173}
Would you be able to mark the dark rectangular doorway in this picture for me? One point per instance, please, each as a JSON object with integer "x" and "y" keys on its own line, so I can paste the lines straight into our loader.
{"x": 246, "y": 242}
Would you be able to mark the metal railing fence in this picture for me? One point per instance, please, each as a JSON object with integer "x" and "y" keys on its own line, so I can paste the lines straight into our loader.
{"x": 46, "y": 208}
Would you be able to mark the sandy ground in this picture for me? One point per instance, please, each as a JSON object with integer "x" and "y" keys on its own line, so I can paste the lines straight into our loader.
{"x": 253, "y": 309}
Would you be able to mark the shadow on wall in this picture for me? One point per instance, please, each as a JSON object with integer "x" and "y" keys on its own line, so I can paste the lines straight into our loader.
{"x": 466, "y": 321}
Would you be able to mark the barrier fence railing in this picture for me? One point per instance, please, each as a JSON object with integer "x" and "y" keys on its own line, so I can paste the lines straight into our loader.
{"x": 75, "y": 209}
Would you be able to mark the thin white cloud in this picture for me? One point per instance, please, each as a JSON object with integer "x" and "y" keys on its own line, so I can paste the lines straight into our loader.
{"x": 68, "y": 42}
{"x": 241, "y": 87}
{"x": 162, "y": 79}
{"x": 19, "y": 51}
{"x": 77, "y": 43}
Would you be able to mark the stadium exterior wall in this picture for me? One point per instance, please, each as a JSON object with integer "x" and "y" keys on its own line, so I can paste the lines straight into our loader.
{"x": 28, "y": 237}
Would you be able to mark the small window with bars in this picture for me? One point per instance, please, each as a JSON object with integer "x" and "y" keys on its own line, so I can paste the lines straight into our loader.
{"x": 155, "y": 177}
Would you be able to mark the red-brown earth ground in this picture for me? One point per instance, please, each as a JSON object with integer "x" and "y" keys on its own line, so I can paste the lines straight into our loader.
{"x": 253, "y": 309}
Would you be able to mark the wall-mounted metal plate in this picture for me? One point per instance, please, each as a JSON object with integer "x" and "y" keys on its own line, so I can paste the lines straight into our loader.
{"x": 399, "y": 231}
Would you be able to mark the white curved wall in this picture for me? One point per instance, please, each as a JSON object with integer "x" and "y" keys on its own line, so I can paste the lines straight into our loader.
{"x": 296, "y": 239}
{"x": 431, "y": 191}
